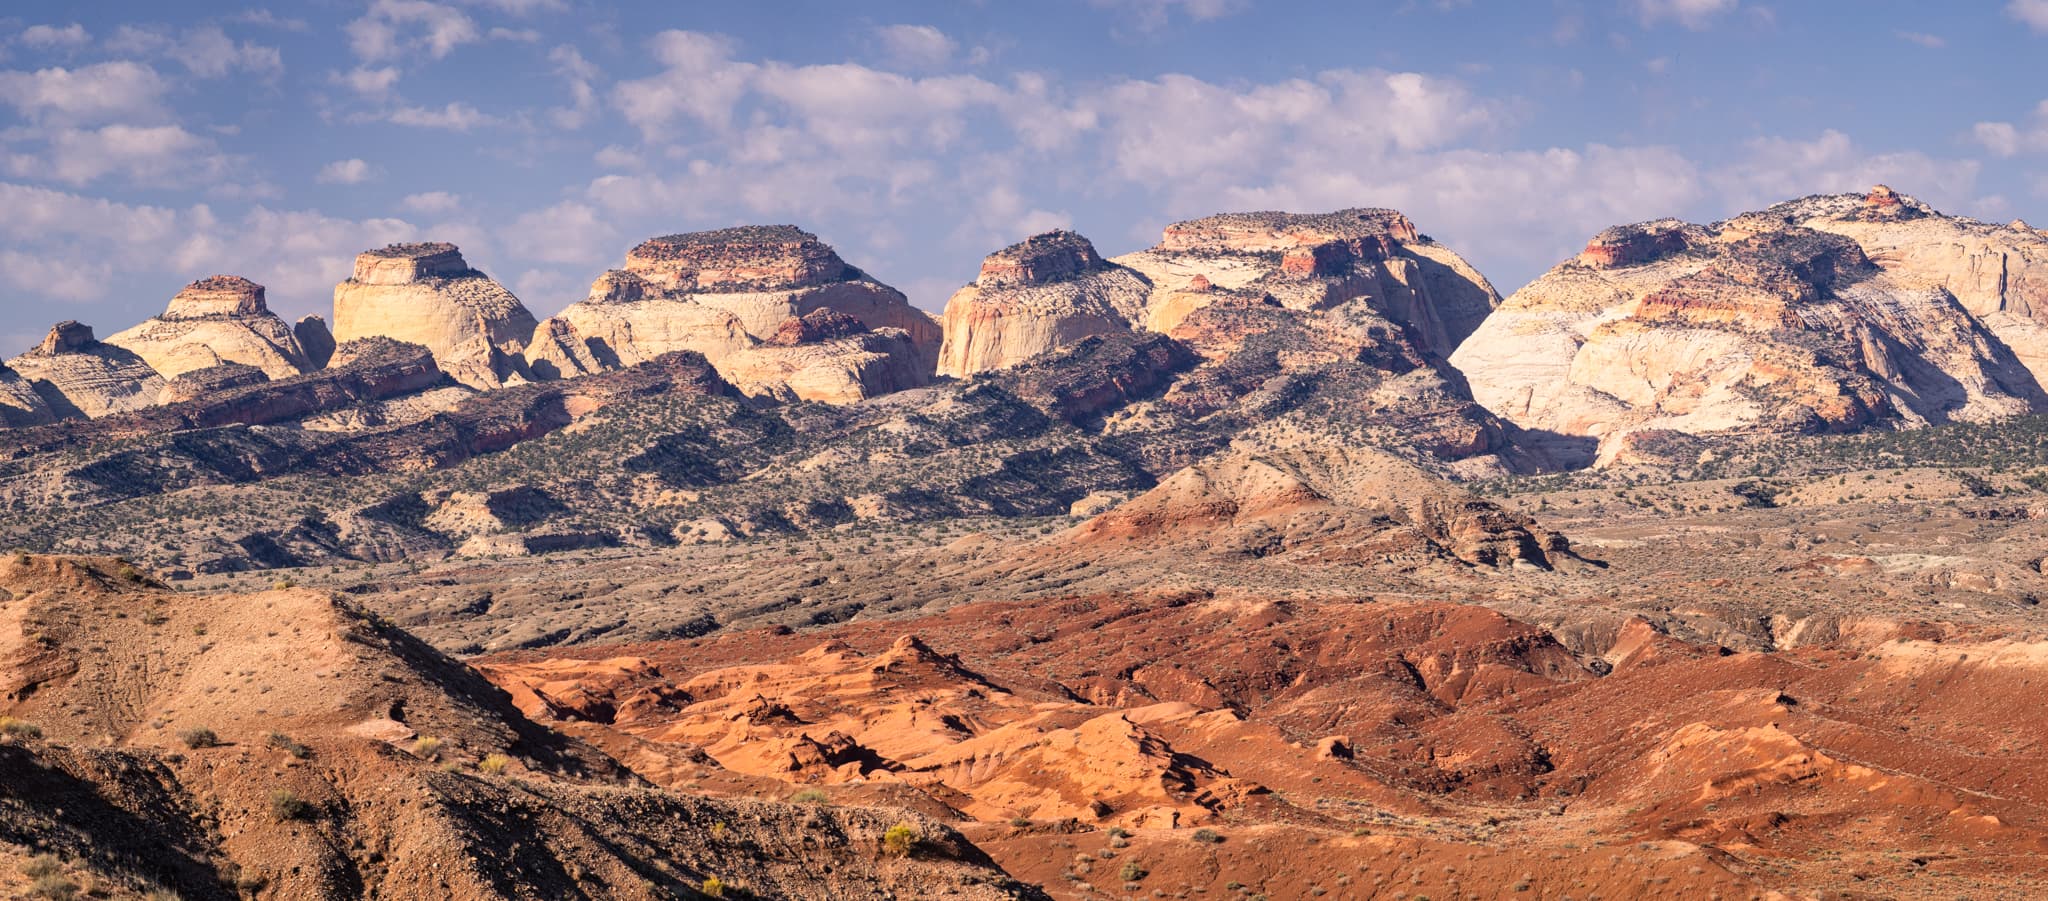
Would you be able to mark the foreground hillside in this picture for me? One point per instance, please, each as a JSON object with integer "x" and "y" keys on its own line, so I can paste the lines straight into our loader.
{"x": 285, "y": 745}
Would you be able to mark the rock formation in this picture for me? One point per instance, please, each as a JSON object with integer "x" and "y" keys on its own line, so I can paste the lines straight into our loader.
{"x": 1043, "y": 293}
{"x": 200, "y": 384}
{"x": 741, "y": 297}
{"x": 1998, "y": 273}
{"x": 1823, "y": 314}
{"x": 215, "y": 320}
{"x": 77, "y": 376}
{"x": 426, "y": 294}
{"x": 1316, "y": 504}
{"x": 315, "y": 339}
{"x": 20, "y": 405}
{"x": 1314, "y": 262}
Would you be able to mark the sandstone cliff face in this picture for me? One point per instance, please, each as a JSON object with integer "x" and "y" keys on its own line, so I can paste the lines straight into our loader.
{"x": 731, "y": 295}
{"x": 1046, "y": 292}
{"x": 1780, "y": 320}
{"x": 1998, "y": 273}
{"x": 77, "y": 376}
{"x": 1314, "y": 262}
{"x": 426, "y": 294}
{"x": 221, "y": 319}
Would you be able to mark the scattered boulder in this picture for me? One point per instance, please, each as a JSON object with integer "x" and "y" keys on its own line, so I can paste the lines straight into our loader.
{"x": 315, "y": 339}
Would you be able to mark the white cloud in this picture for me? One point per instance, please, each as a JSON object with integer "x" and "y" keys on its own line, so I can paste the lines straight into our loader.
{"x": 392, "y": 28}
{"x": 1777, "y": 168}
{"x": 374, "y": 84}
{"x": 46, "y": 37}
{"x": 1693, "y": 14}
{"x": 1929, "y": 41}
{"x": 581, "y": 76}
{"x": 345, "y": 172}
{"x": 2006, "y": 139}
{"x": 1150, "y": 14}
{"x": 915, "y": 46}
{"x": 98, "y": 92}
{"x": 431, "y": 203}
{"x": 205, "y": 51}
{"x": 522, "y": 7}
{"x": 2032, "y": 12}
{"x": 516, "y": 35}
{"x": 264, "y": 18}
{"x": 454, "y": 117}
{"x": 56, "y": 241}
{"x": 700, "y": 81}
{"x": 148, "y": 155}
{"x": 570, "y": 232}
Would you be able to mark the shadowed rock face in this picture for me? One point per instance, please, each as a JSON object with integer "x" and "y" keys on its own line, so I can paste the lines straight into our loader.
{"x": 428, "y": 295}
{"x": 216, "y": 320}
{"x": 315, "y": 339}
{"x": 775, "y": 309}
{"x": 1827, "y": 313}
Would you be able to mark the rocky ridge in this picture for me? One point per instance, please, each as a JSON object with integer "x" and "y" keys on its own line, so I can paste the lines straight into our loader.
{"x": 215, "y": 320}
{"x": 731, "y": 295}
{"x": 1776, "y": 321}
{"x": 427, "y": 294}
{"x": 1043, "y": 293}
{"x": 77, "y": 375}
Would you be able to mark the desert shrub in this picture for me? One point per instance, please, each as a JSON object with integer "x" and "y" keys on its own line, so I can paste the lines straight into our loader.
{"x": 1132, "y": 872}
{"x": 286, "y": 744}
{"x": 1119, "y": 832}
{"x": 285, "y": 805}
{"x": 199, "y": 737}
{"x": 810, "y": 796}
{"x": 129, "y": 573}
{"x": 493, "y": 764}
{"x": 14, "y": 728}
{"x": 154, "y": 618}
{"x": 901, "y": 839}
{"x": 713, "y": 887}
{"x": 41, "y": 865}
{"x": 1208, "y": 836}
{"x": 427, "y": 748}
{"x": 54, "y": 887}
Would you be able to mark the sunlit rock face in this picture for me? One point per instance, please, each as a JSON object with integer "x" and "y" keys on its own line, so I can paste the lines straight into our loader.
{"x": 426, "y": 294}
{"x": 774, "y": 309}
{"x": 1832, "y": 313}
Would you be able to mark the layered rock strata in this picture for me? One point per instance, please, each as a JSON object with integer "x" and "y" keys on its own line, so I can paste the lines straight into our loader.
{"x": 742, "y": 298}
{"x": 1043, "y": 293}
{"x": 78, "y": 376}
{"x": 215, "y": 320}
{"x": 427, "y": 294}
{"x": 1823, "y": 314}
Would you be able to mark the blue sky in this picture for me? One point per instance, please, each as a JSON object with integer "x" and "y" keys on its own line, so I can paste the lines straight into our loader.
{"x": 145, "y": 144}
